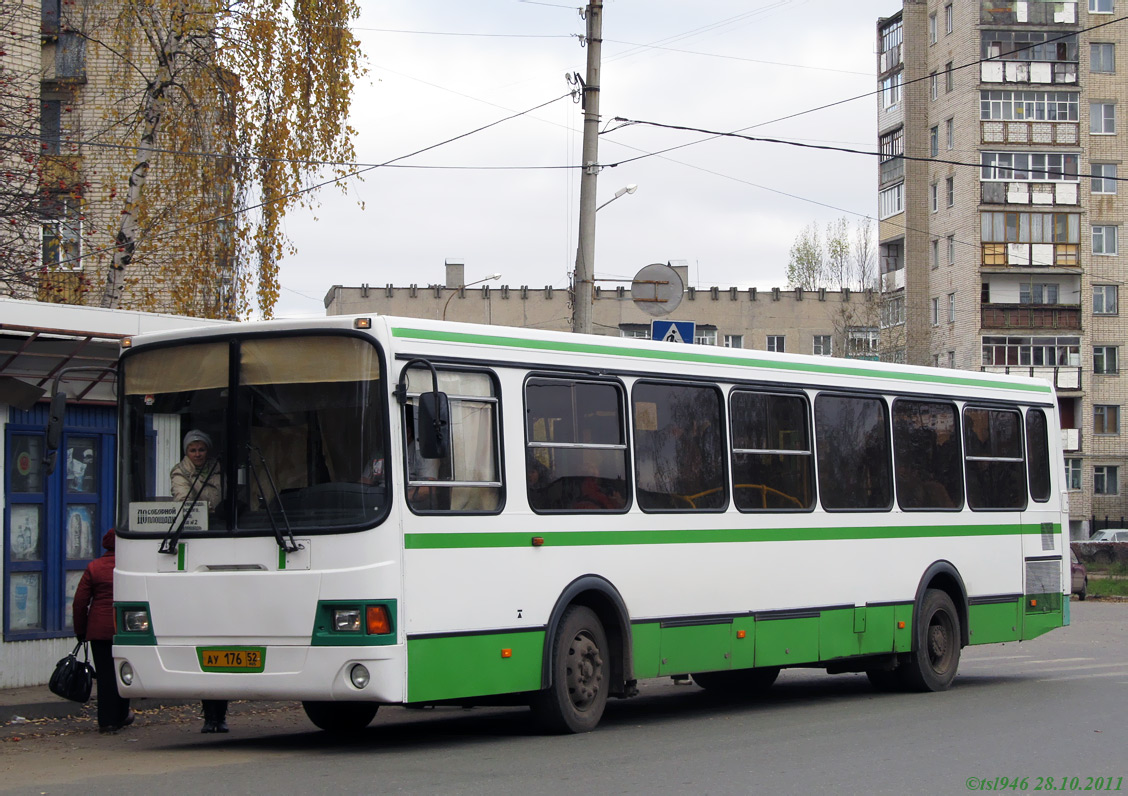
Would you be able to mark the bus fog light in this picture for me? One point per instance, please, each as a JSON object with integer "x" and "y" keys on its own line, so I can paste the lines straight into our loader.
{"x": 126, "y": 672}
{"x": 359, "y": 675}
{"x": 346, "y": 619}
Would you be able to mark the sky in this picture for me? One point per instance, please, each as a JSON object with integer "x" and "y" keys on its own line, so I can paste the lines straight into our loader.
{"x": 505, "y": 199}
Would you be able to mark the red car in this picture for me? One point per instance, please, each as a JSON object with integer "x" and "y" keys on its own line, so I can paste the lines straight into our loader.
{"x": 1080, "y": 577}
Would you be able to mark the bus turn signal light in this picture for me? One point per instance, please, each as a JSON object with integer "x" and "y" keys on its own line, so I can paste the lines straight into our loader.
{"x": 538, "y": 541}
{"x": 900, "y": 625}
{"x": 377, "y": 620}
{"x": 741, "y": 634}
{"x": 507, "y": 653}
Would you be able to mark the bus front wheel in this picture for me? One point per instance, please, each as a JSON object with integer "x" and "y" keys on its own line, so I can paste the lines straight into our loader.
{"x": 340, "y": 716}
{"x": 936, "y": 649}
{"x": 578, "y": 694}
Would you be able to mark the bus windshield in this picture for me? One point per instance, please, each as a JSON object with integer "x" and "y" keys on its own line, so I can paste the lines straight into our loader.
{"x": 253, "y": 435}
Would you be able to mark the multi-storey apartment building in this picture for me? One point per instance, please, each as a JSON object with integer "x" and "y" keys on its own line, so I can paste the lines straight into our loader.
{"x": 1000, "y": 207}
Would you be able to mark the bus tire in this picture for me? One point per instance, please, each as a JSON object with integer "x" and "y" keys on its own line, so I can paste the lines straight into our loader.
{"x": 739, "y": 682}
{"x": 936, "y": 644}
{"x": 575, "y": 700}
{"x": 340, "y": 716}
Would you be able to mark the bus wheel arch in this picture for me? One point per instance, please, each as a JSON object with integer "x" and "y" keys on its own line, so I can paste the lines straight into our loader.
{"x": 603, "y": 599}
{"x": 944, "y": 576}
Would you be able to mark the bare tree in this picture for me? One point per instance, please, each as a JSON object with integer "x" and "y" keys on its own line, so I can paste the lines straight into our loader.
{"x": 806, "y": 268}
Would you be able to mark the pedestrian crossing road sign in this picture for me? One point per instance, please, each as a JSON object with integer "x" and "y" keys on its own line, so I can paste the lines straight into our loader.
{"x": 672, "y": 331}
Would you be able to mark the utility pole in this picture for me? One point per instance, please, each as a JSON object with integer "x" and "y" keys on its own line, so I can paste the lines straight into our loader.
{"x": 582, "y": 278}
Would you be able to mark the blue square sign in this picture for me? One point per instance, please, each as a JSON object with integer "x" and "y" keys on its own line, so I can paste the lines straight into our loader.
{"x": 672, "y": 331}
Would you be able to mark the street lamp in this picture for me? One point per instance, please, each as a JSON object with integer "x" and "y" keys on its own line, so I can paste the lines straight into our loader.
{"x": 460, "y": 288}
{"x": 629, "y": 189}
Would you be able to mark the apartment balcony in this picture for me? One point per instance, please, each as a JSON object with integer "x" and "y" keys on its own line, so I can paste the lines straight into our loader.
{"x": 893, "y": 281}
{"x": 1063, "y": 377}
{"x": 1047, "y": 194}
{"x": 1071, "y": 439}
{"x": 1027, "y": 12}
{"x": 1030, "y": 317}
{"x": 1029, "y": 72}
{"x": 1027, "y": 133}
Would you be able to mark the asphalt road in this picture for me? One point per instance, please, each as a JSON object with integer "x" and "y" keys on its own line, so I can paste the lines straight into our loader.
{"x": 1055, "y": 707}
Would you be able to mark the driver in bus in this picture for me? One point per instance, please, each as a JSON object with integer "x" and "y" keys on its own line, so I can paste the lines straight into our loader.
{"x": 197, "y": 474}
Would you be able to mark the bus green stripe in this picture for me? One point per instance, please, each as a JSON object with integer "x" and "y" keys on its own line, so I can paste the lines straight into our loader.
{"x": 691, "y": 355}
{"x": 447, "y": 541}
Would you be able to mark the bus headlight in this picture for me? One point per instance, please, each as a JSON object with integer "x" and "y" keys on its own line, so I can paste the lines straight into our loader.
{"x": 359, "y": 675}
{"x": 136, "y": 621}
{"x": 126, "y": 672}
{"x": 346, "y": 620}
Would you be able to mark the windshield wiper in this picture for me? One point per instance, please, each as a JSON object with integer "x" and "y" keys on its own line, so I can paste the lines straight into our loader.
{"x": 168, "y": 544}
{"x": 287, "y": 542}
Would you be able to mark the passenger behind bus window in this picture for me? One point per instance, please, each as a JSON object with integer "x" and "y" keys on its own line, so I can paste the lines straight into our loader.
{"x": 198, "y": 473}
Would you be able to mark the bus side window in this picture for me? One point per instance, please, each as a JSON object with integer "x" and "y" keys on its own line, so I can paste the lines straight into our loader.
{"x": 772, "y": 465}
{"x": 1038, "y": 454}
{"x": 576, "y": 451}
{"x": 926, "y": 452}
{"x": 996, "y": 475}
{"x": 852, "y": 435}
{"x": 679, "y": 447}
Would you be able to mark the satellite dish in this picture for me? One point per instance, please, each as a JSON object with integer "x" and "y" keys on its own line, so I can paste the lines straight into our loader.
{"x": 657, "y": 289}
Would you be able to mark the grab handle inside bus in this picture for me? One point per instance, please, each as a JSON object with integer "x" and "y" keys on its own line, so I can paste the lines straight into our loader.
{"x": 432, "y": 421}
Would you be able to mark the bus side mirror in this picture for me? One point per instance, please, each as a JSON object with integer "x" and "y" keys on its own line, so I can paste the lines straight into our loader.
{"x": 432, "y": 425}
{"x": 55, "y": 429}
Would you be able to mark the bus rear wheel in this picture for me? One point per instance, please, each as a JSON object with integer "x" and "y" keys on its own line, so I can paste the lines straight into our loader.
{"x": 575, "y": 700}
{"x": 936, "y": 648}
{"x": 340, "y": 716}
{"x": 741, "y": 682}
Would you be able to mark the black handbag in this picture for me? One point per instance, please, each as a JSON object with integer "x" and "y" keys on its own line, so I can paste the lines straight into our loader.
{"x": 73, "y": 678}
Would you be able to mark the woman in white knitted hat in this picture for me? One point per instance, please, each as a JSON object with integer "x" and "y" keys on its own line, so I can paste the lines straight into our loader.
{"x": 197, "y": 473}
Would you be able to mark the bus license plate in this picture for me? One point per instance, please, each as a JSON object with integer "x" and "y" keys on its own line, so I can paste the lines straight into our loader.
{"x": 232, "y": 659}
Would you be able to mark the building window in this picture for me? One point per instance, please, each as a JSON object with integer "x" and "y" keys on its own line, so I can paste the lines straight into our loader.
{"x": 934, "y": 141}
{"x": 950, "y": 134}
{"x": 934, "y": 197}
{"x": 705, "y": 336}
{"x": 1102, "y": 118}
{"x": 634, "y": 331}
{"x": 952, "y": 359}
{"x": 948, "y": 18}
{"x": 1105, "y": 480}
{"x": 1106, "y": 419}
{"x": 1104, "y": 360}
{"x": 862, "y": 342}
{"x": 1105, "y": 299}
{"x": 61, "y": 236}
{"x": 931, "y": 28}
{"x": 1035, "y": 293}
{"x": 1100, "y": 6}
{"x": 891, "y": 201}
{"x": 1008, "y": 238}
{"x": 893, "y": 312}
{"x": 935, "y": 252}
{"x": 891, "y": 90}
{"x": 822, "y": 346}
{"x": 951, "y": 308}
{"x": 950, "y": 190}
{"x": 935, "y": 311}
{"x": 933, "y": 86}
{"x": 1104, "y": 177}
{"x": 949, "y": 78}
{"x": 776, "y": 343}
{"x": 1102, "y": 58}
{"x": 1073, "y": 474}
{"x": 1104, "y": 240}
{"x": 951, "y": 250}
{"x": 1034, "y": 106}
{"x": 734, "y": 341}
{"x": 1028, "y": 167}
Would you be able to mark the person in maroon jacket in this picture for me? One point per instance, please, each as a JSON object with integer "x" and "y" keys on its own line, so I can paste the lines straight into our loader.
{"x": 94, "y": 622}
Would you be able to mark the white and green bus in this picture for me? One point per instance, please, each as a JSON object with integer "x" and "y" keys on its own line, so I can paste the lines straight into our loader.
{"x": 416, "y": 513}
